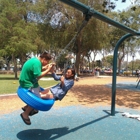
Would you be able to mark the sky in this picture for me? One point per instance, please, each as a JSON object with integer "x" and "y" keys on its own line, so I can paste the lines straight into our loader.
{"x": 122, "y": 6}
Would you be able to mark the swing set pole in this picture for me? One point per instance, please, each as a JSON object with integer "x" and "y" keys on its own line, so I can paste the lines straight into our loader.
{"x": 90, "y": 11}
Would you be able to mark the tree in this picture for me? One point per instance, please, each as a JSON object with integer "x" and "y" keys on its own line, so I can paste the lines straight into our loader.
{"x": 17, "y": 36}
{"x": 90, "y": 37}
{"x": 2, "y": 62}
{"x": 108, "y": 5}
{"x": 134, "y": 64}
{"x": 127, "y": 47}
{"x": 108, "y": 61}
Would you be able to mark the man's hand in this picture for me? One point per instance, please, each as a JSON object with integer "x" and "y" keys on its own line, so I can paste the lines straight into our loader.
{"x": 45, "y": 67}
{"x": 48, "y": 66}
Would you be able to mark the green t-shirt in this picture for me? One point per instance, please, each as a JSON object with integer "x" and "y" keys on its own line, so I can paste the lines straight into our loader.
{"x": 30, "y": 71}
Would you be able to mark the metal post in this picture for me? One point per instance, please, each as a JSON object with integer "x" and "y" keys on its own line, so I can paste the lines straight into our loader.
{"x": 115, "y": 71}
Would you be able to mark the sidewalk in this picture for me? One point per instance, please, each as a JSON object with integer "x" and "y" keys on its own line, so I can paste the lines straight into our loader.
{"x": 126, "y": 85}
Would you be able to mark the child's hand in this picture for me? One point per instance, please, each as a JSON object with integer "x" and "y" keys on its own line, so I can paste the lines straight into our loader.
{"x": 53, "y": 64}
{"x": 62, "y": 78}
{"x": 52, "y": 70}
{"x": 49, "y": 67}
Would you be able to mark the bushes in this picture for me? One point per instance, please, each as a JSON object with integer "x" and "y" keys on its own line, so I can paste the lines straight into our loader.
{"x": 6, "y": 72}
{"x": 127, "y": 73}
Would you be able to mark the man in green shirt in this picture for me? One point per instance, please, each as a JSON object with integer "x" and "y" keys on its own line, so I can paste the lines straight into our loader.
{"x": 32, "y": 70}
{"x": 30, "y": 73}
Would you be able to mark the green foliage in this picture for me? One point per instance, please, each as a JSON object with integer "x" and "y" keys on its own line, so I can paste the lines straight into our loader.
{"x": 16, "y": 35}
{"x": 108, "y": 61}
{"x": 134, "y": 64}
{"x": 61, "y": 61}
{"x": 1, "y": 62}
{"x": 22, "y": 32}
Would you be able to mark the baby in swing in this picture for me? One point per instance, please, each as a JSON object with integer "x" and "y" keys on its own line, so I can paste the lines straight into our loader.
{"x": 58, "y": 91}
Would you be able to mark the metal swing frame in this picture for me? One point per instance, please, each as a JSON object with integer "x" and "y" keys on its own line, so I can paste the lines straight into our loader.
{"x": 89, "y": 12}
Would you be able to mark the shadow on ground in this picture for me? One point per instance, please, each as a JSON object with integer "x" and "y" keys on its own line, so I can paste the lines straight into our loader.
{"x": 51, "y": 134}
{"x": 102, "y": 94}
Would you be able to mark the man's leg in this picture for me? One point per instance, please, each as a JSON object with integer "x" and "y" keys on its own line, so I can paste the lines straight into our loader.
{"x": 24, "y": 108}
{"x": 33, "y": 112}
{"x": 25, "y": 115}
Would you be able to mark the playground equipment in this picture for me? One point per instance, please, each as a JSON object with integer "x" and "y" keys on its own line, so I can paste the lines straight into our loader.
{"x": 89, "y": 12}
{"x": 32, "y": 100}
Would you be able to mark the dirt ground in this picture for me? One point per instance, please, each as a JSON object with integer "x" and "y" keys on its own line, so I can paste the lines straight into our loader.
{"x": 88, "y": 91}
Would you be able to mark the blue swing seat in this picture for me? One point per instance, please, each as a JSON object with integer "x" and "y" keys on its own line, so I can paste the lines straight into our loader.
{"x": 35, "y": 102}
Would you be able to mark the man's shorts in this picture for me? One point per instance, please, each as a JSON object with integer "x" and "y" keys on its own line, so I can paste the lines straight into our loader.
{"x": 36, "y": 91}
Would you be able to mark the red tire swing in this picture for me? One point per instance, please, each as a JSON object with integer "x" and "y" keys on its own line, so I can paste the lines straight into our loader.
{"x": 33, "y": 101}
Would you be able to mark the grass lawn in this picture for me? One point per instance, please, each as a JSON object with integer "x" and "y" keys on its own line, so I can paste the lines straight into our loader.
{"x": 8, "y": 84}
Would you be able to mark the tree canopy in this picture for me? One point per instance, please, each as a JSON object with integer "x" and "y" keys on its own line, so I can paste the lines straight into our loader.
{"x": 30, "y": 27}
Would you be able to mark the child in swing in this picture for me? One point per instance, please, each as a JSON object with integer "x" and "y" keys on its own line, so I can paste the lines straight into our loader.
{"x": 58, "y": 91}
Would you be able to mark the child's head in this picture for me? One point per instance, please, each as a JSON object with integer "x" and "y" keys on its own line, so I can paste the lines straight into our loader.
{"x": 70, "y": 73}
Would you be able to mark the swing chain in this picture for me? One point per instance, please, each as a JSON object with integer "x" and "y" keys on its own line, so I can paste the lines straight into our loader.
{"x": 84, "y": 23}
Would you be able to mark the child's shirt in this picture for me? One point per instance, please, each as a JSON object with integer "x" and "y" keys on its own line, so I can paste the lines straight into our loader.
{"x": 58, "y": 90}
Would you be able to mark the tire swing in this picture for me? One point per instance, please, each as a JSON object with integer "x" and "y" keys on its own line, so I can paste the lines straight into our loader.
{"x": 44, "y": 104}
{"x": 33, "y": 101}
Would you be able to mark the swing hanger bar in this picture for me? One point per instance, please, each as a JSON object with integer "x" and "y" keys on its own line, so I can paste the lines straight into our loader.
{"x": 91, "y": 12}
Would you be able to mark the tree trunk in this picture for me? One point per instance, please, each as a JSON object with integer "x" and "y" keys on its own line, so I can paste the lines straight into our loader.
{"x": 120, "y": 58}
{"x": 15, "y": 67}
{"x": 119, "y": 65}
{"x": 78, "y": 53}
{"x": 8, "y": 65}
{"x": 77, "y": 62}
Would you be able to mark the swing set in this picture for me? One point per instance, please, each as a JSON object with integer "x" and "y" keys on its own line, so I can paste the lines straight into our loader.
{"x": 45, "y": 105}
{"x": 89, "y": 12}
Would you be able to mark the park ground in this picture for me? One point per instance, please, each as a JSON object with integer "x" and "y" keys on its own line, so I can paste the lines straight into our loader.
{"x": 88, "y": 91}
{"x": 84, "y": 114}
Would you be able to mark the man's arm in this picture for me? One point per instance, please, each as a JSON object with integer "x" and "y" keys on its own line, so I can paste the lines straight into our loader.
{"x": 46, "y": 66}
{"x": 46, "y": 71}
